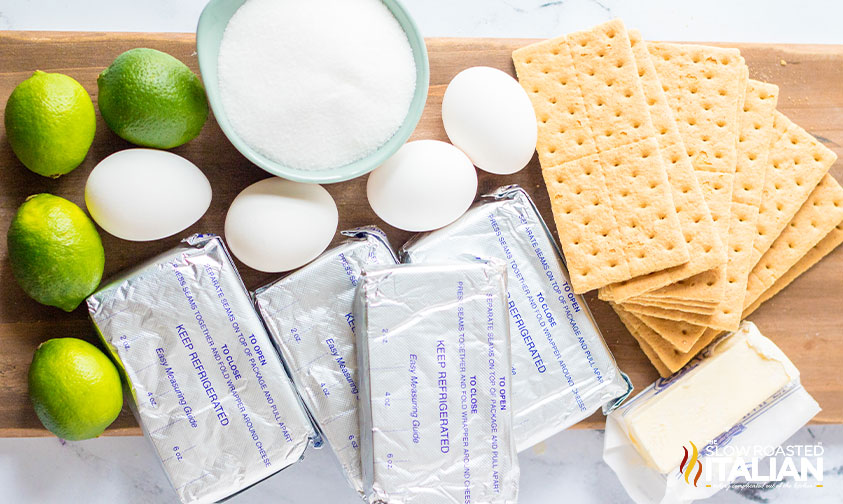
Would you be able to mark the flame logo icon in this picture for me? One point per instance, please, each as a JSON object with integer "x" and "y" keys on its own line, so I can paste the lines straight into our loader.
{"x": 687, "y": 466}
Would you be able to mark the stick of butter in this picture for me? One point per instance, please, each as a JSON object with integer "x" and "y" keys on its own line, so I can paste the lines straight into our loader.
{"x": 741, "y": 372}
{"x": 741, "y": 392}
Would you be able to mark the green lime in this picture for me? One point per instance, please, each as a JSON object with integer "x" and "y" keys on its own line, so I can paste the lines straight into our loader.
{"x": 55, "y": 251}
{"x": 152, "y": 99}
{"x": 50, "y": 123}
{"x": 74, "y": 388}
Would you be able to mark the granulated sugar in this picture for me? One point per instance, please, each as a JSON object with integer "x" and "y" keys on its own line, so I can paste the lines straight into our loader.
{"x": 315, "y": 84}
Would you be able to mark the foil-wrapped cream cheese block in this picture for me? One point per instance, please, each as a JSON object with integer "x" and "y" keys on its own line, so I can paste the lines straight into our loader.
{"x": 562, "y": 369}
{"x": 433, "y": 353}
{"x": 678, "y": 439}
{"x": 309, "y": 316}
{"x": 209, "y": 389}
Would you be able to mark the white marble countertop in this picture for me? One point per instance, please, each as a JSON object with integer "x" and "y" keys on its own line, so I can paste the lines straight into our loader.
{"x": 568, "y": 468}
{"x": 806, "y": 21}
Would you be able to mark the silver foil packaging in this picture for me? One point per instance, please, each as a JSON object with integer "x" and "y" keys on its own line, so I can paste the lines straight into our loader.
{"x": 209, "y": 389}
{"x": 309, "y": 316}
{"x": 562, "y": 369}
{"x": 433, "y": 352}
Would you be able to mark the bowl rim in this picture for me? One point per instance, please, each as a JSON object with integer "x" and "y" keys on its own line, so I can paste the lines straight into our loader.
{"x": 208, "y": 36}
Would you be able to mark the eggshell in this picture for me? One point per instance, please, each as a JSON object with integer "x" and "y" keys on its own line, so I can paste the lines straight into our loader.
{"x": 488, "y": 115}
{"x": 427, "y": 184}
{"x": 146, "y": 194}
{"x": 278, "y": 225}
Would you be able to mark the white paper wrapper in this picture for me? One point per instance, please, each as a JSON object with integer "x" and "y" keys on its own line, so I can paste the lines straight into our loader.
{"x": 769, "y": 424}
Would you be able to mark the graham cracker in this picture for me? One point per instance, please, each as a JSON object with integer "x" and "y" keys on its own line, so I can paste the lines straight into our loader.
{"x": 717, "y": 188}
{"x": 825, "y": 205}
{"x": 755, "y": 138}
{"x": 798, "y": 162}
{"x": 819, "y": 251}
{"x": 600, "y": 157}
{"x": 818, "y": 216}
{"x": 667, "y": 314}
{"x": 679, "y": 302}
{"x": 681, "y": 335}
{"x": 706, "y": 250}
{"x": 708, "y": 286}
{"x": 727, "y": 316}
{"x": 754, "y": 142}
{"x": 661, "y": 353}
{"x": 667, "y": 305}
{"x": 629, "y": 321}
{"x": 705, "y": 87}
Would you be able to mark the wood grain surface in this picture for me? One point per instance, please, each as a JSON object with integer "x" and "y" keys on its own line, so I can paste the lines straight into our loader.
{"x": 805, "y": 320}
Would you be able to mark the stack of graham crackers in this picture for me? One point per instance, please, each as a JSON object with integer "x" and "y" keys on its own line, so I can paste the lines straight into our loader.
{"x": 678, "y": 190}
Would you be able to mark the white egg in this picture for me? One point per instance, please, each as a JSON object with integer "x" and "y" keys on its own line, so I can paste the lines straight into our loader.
{"x": 146, "y": 194}
{"x": 488, "y": 115}
{"x": 277, "y": 225}
{"x": 427, "y": 184}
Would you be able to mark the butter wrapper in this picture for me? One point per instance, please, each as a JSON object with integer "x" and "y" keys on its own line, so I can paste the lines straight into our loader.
{"x": 309, "y": 316}
{"x": 209, "y": 390}
{"x": 433, "y": 352}
{"x": 562, "y": 369}
{"x": 688, "y": 436}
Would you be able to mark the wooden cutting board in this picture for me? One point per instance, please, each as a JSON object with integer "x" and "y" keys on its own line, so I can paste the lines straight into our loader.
{"x": 806, "y": 320}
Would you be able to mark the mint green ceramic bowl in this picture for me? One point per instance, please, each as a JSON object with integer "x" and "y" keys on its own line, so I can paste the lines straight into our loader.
{"x": 209, "y": 33}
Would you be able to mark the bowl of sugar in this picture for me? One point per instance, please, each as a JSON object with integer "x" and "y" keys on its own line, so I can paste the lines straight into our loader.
{"x": 317, "y": 91}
